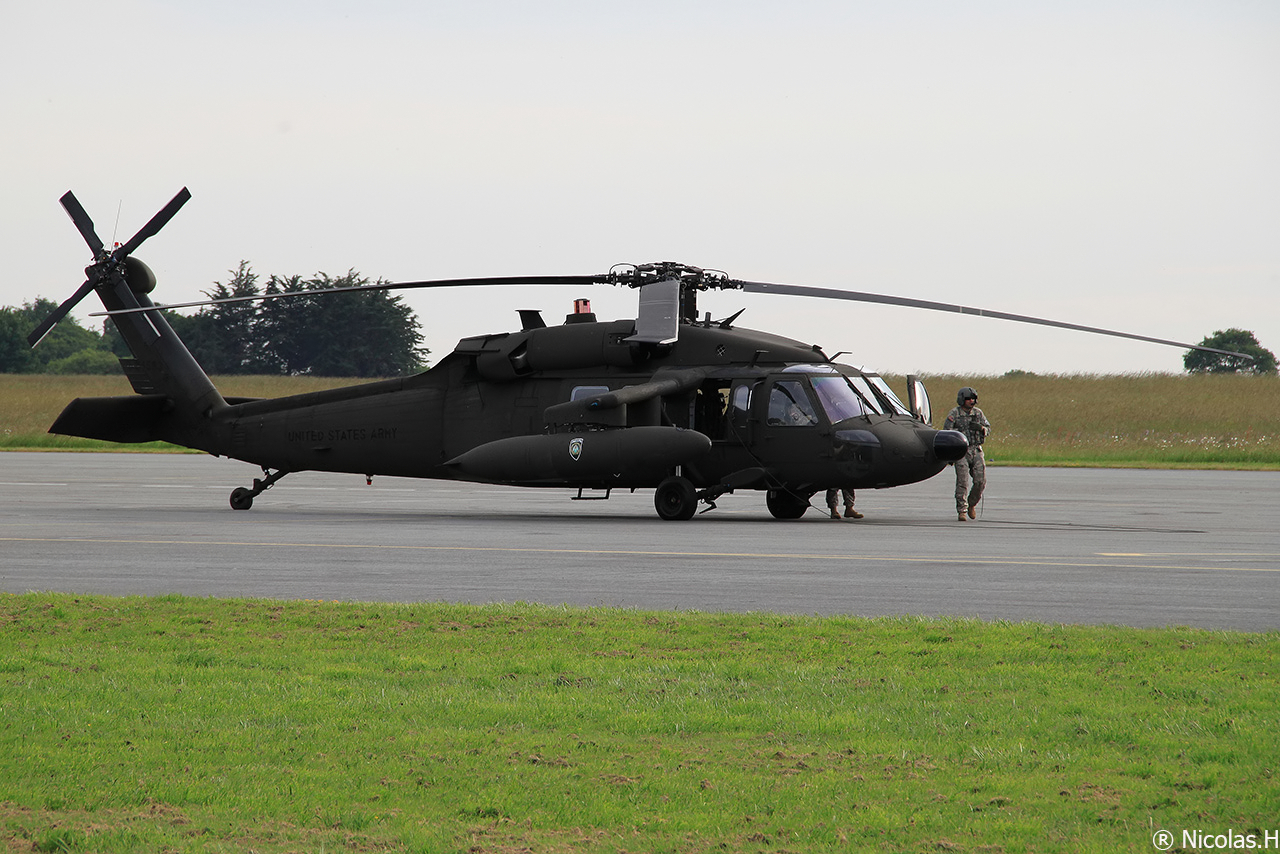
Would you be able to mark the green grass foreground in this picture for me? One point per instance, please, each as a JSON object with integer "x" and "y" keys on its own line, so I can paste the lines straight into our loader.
{"x": 183, "y": 725}
{"x": 1134, "y": 420}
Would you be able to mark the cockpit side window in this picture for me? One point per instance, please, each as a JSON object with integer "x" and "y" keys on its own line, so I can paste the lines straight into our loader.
{"x": 740, "y": 409}
{"x": 888, "y": 396}
{"x": 789, "y": 406}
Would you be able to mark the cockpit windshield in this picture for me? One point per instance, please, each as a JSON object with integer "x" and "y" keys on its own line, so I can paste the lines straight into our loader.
{"x": 863, "y": 388}
{"x": 840, "y": 400}
{"x": 840, "y": 396}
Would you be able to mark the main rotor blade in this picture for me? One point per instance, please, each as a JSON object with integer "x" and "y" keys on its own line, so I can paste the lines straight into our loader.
{"x": 157, "y": 222}
{"x": 859, "y": 296}
{"x": 381, "y": 286}
{"x": 83, "y": 224}
{"x": 58, "y": 313}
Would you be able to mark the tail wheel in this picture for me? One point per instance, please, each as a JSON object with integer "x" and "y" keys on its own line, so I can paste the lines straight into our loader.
{"x": 675, "y": 499}
{"x": 786, "y": 505}
{"x": 241, "y": 498}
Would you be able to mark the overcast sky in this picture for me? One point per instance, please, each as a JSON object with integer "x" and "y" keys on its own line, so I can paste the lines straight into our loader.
{"x": 1114, "y": 164}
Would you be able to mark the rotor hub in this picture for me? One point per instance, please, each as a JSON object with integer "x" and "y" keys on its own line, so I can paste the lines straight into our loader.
{"x": 689, "y": 277}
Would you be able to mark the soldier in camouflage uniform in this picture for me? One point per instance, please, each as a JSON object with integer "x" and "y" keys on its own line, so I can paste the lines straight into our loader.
{"x": 969, "y": 420}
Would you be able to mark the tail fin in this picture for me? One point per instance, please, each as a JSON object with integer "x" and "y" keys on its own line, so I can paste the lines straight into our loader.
{"x": 161, "y": 366}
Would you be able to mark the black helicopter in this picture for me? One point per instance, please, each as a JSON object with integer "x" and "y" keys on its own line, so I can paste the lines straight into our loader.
{"x": 691, "y": 407}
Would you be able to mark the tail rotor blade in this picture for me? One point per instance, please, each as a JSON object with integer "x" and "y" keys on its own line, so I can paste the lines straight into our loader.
{"x": 157, "y": 222}
{"x": 58, "y": 313}
{"x": 106, "y": 266}
{"x": 82, "y": 222}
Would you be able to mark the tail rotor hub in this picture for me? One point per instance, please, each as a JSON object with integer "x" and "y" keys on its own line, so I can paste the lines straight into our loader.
{"x": 115, "y": 265}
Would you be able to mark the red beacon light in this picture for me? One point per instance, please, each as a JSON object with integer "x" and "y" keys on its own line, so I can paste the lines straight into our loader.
{"x": 581, "y": 312}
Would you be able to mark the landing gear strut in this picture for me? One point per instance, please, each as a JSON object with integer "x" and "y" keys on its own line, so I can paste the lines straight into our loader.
{"x": 242, "y": 499}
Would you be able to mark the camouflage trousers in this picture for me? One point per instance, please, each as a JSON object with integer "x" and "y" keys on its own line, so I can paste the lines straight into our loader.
{"x": 834, "y": 496}
{"x": 971, "y": 479}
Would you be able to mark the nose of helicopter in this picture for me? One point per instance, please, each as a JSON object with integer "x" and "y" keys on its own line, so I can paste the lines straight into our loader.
{"x": 949, "y": 445}
{"x": 894, "y": 451}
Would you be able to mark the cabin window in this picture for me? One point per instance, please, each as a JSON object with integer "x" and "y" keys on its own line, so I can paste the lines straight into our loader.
{"x": 789, "y": 406}
{"x": 711, "y": 409}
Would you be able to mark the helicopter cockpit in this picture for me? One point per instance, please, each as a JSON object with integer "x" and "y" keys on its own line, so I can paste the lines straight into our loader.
{"x": 831, "y": 425}
{"x": 797, "y": 396}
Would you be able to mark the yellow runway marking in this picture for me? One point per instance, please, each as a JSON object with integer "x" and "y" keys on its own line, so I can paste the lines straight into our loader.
{"x": 1189, "y": 554}
{"x": 993, "y": 561}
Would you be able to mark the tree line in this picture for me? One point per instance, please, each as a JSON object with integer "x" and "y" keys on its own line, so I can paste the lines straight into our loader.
{"x": 371, "y": 334}
{"x": 1238, "y": 341}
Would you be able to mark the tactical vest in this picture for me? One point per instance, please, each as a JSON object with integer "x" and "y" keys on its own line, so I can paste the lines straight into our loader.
{"x": 970, "y": 424}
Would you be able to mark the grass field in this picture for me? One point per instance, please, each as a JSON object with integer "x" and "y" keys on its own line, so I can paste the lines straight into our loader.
{"x": 1141, "y": 420}
{"x": 185, "y": 725}
{"x": 1144, "y": 420}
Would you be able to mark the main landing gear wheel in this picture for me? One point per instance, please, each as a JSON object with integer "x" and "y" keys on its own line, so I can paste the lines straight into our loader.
{"x": 241, "y": 498}
{"x": 785, "y": 505}
{"x": 675, "y": 499}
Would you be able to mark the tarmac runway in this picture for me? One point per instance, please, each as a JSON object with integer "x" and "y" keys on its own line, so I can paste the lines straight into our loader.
{"x": 1095, "y": 546}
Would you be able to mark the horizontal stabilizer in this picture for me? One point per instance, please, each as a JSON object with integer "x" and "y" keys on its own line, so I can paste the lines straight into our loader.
{"x": 131, "y": 418}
